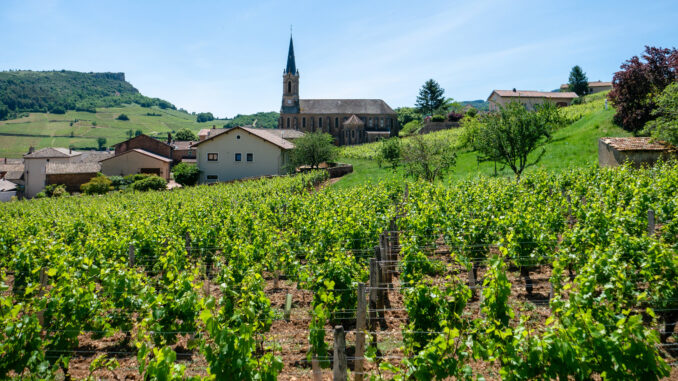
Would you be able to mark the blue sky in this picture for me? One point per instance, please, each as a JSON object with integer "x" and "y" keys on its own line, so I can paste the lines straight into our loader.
{"x": 227, "y": 57}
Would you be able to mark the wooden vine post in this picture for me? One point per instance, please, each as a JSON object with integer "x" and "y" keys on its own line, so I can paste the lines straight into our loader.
{"x": 339, "y": 369}
{"x": 43, "y": 285}
{"x": 650, "y": 222}
{"x": 130, "y": 256}
{"x": 374, "y": 299}
{"x": 360, "y": 332}
{"x": 288, "y": 307}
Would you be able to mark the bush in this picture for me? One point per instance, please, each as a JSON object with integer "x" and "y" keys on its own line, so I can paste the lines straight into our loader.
{"x": 98, "y": 185}
{"x": 52, "y": 190}
{"x": 437, "y": 118}
{"x": 205, "y": 117}
{"x": 129, "y": 179}
{"x": 454, "y": 117}
{"x": 118, "y": 182}
{"x": 122, "y": 117}
{"x": 389, "y": 152}
{"x": 186, "y": 174}
{"x": 185, "y": 135}
{"x": 150, "y": 183}
{"x": 410, "y": 128}
{"x": 57, "y": 110}
{"x": 472, "y": 112}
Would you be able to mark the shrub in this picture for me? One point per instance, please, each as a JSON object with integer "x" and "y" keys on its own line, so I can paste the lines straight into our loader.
{"x": 53, "y": 190}
{"x": 454, "y": 117}
{"x": 472, "y": 112}
{"x": 118, "y": 182}
{"x": 437, "y": 118}
{"x": 150, "y": 183}
{"x": 57, "y": 110}
{"x": 410, "y": 128}
{"x": 129, "y": 179}
{"x": 186, "y": 174}
{"x": 389, "y": 151}
{"x": 122, "y": 117}
{"x": 97, "y": 185}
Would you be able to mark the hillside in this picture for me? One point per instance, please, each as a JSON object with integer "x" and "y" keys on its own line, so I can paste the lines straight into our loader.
{"x": 59, "y": 91}
{"x": 572, "y": 146}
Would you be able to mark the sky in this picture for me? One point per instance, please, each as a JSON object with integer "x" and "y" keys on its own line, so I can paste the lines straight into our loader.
{"x": 227, "y": 57}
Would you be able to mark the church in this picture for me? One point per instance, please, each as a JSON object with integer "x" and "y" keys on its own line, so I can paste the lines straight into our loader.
{"x": 349, "y": 121}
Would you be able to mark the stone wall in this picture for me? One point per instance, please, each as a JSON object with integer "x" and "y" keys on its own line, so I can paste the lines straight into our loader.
{"x": 437, "y": 126}
{"x": 72, "y": 181}
{"x": 608, "y": 156}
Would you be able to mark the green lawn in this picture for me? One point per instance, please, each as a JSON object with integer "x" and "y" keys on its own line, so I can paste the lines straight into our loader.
{"x": 575, "y": 145}
{"x": 44, "y": 130}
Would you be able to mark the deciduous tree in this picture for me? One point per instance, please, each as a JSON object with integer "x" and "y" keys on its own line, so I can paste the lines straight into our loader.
{"x": 665, "y": 127}
{"x": 635, "y": 86}
{"x": 185, "y": 135}
{"x": 428, "y": 159}
{"x": 313, "y": 149}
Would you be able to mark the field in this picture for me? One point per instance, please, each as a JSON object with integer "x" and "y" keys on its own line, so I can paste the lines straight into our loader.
{"x": 45, "y": 130}
{"x": 559, "y": 275}
{"x": 575, "y": 145}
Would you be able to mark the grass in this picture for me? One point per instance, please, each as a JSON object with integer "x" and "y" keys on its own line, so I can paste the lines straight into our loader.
{"x": 54, "y": 130}
{"x": 575, "y": 145}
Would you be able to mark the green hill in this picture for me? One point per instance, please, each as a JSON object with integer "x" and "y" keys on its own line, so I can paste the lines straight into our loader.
{"x": 575, "y": 145}
{"x": 72, "y": 109}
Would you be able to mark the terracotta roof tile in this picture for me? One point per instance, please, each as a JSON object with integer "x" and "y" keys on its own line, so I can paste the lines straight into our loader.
{"x": 534, "y": 94}
{"x": 636, "y": 144}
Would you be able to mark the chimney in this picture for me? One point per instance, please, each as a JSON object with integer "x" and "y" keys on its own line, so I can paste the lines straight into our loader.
{"x": 70, "y": 150}
{"x": 514, "y": 89}
{"x": 169, "y": 137}
{"x": 31, "y": 149}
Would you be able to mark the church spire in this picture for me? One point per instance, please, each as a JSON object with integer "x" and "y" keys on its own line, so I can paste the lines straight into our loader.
{"x": 291, "y": 65}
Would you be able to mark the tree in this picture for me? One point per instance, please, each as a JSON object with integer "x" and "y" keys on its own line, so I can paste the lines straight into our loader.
{"x": 510, "y": 135}
{"x": 186, "y": 174}
{"x": 430, "y": 97}
{"x": 578, "y": 81}
{"x": 406, "y": 115}
{"x": 205, "y": 117}
{"x": 313, "y": 149}
{"x": 428, "y": 159}
{"x": 665, "y": 127}
{"x": 637, "y": 84}
{"x": 185, "y": 135}
{"x": 122, "y": 117}
{"x": 137, "y": 133}
{"x": 130, "y": 133}
{"x": 101, "y": 141}
{"x": 390, "y": 152}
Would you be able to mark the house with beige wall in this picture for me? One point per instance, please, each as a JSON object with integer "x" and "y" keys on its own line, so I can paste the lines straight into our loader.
{"x": 136, "y": 161}
{"x": 241, "y": 152}
{"x": 594, "y": 87}
{"x": 529, "y": 99}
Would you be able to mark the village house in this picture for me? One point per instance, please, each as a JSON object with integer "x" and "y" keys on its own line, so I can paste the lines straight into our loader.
{"x": 638, "y": 151}
{"x": 58, "y": 163}
{"x": 135, "y": 161}
{"x": 241, "y": 152}
{"x": 7, "y": 190}
{"x": 595, "y": 87}
{"x": 529, "y": 99}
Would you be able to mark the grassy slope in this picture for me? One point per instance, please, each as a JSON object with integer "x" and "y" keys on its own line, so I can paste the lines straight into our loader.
{"x": 573, "y": 146}
{"x": 58, "y": 130}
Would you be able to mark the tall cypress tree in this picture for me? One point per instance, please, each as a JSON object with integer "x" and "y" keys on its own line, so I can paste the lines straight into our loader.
{"x": 430, "y": 97}
{"x": 578, "y": 81}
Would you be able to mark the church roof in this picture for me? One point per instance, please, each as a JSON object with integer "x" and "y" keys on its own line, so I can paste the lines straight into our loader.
{"x": 291, "y": 65}
{"x": 353, "y": 120}
{"x": 344, "y": 106}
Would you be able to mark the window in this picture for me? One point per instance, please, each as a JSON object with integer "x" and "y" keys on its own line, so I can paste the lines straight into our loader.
{"x": 250, "y": 157}
{"x": 289, "y": 86}
{"x": 303, "y": 122}
{"x": 381, "y": 122}
{"x": 237, "y": 136}
{"x": 336, "y": 122}
{"x": 352, "y": 134}
{"x": 288, "y": 122}
{"x": 320, "y": 122}
{"x": 238, "y": 157}
{"x": 391, "y": 122}
{"x": 212, "y": 157}
{"x": 370, "y": 122}
{"x": 212, "y": 177}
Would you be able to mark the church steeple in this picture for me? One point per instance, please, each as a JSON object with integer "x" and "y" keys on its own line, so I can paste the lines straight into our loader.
{"x": 291, "y": 65}
{"x": 290, "y": 99}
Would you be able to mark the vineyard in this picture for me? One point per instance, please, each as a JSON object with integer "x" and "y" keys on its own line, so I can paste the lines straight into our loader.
{"x": 568, "y": 275}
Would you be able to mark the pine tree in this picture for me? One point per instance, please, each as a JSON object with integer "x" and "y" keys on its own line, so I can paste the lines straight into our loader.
{"x": 430, "y": 97}
{"x": 578, "y": 81}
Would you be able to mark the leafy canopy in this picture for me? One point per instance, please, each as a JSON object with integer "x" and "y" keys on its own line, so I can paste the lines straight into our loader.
{"x": 185, "y": 135}
{"x": 665, "y": 127}
{"x": 578, "y": 81}
{"x": 510, "y": 135}
{"x": 312, "y": 149}
{"x": 428, "y": 159}
{"x": 390, "y": 152}
{"x": 431, "y": 97}
{"x": 186, "y": 174}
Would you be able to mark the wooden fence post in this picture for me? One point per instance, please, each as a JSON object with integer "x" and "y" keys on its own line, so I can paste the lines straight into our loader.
{"x": 360, "y": 333}
{"x": 374, "y": 270}
{"x": 130, "y": 256}
{"x": 188, "y": 243}
{"x": 339, "y": 369}
{"x": 317, "y": 372}
{"x": 650, "y": 222}
{"x": 288, "y": 307}
{"x": 472, "y": 281}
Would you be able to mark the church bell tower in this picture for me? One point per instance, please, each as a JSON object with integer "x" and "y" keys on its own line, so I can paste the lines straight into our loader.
{"x": 290, "y": 99}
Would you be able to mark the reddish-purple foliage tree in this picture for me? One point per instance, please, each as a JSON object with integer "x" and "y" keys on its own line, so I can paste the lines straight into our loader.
{"x": 454, "y": 116}
{"x": 635, "y": 86}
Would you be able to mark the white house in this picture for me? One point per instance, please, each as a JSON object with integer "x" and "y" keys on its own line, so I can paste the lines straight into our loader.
{"x": 241, "y": 152}
{"x": 35, "y": 167}
{"x": 7, "y": 190}
{"x": 529, "y": 99}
